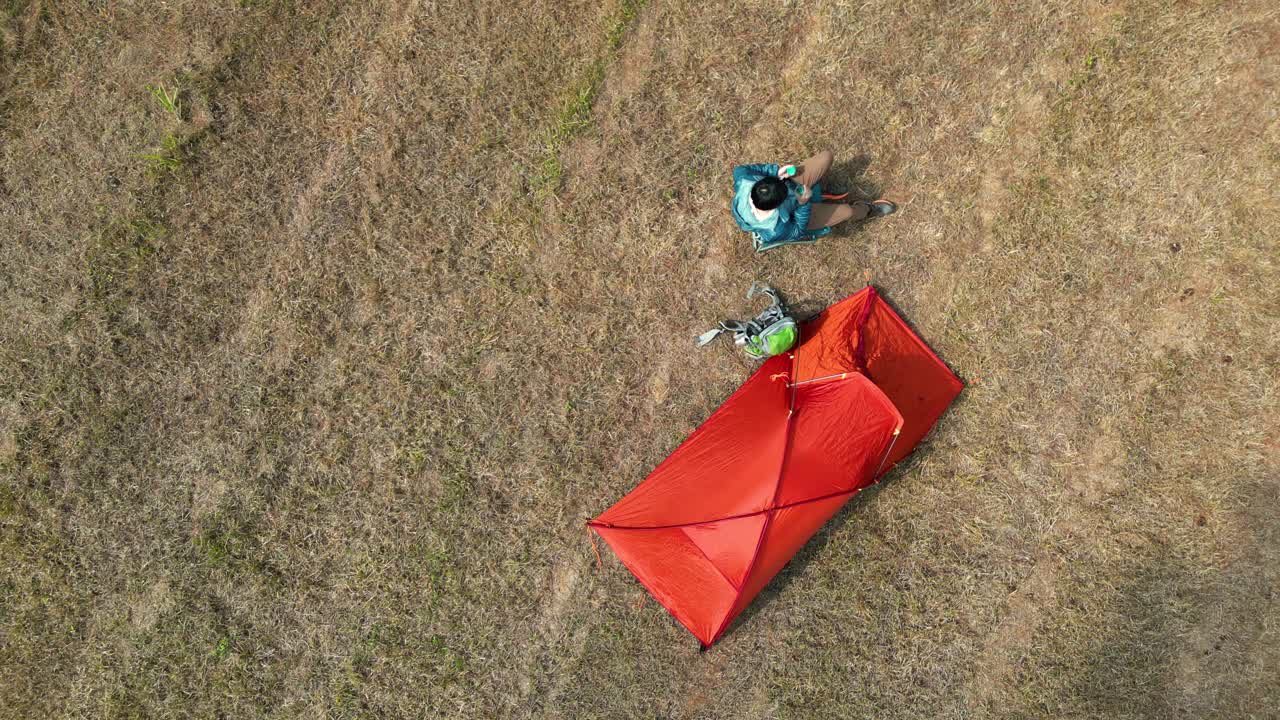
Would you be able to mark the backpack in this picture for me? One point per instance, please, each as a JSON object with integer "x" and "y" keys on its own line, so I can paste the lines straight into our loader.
{"x": 772, "y": 332}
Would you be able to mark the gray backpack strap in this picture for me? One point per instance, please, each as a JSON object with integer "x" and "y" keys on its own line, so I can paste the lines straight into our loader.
{"x": 709, "y": 335}
{"x": 725, "y": 326}
{"x": 776, "y": 310}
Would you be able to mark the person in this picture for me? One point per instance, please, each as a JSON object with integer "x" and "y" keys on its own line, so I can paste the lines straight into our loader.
{"x": 784, "y": 204}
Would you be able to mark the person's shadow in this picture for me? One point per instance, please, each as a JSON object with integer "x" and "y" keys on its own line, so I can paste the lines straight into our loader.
{"x": 850, "y": 176}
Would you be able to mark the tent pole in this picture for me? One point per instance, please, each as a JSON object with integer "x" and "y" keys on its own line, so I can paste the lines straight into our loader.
{"x": 819, "y": 379}
{"x": 886, "y": 453}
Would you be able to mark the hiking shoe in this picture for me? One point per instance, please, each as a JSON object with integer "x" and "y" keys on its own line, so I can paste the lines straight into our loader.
{"x": 881, "y": 208}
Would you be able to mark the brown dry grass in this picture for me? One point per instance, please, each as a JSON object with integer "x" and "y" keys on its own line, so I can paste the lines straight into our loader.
{"x": 285, "y": 433}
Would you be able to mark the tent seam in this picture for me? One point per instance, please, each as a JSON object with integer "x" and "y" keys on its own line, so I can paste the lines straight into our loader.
{"x": 860, "y": 352}
{"x": 773, "y": 502}
{"x": 784, "y": 506}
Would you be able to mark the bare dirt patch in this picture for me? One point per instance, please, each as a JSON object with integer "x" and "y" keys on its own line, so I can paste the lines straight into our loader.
{"x": 1024, "y": 612}
{"x": 1016, "y": 140}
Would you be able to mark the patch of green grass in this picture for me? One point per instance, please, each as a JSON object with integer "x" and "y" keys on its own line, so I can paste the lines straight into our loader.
{"x": 440, "y": 570}
{"x": 14, "y": 8}
{"x": 451, "y": 662}
{"x": 457, "y": 490}
{"x": 121, "y": 247}
{"x": 1091, "y": 65}
{"x": 1077, "y": 99}
{"x": 618, "y": 28}
{"x": 575, "y": 111}
{"x": 417, "y": 458}
{"x": 167, "y": 159}
{"x": 8, "y": 502}
{"x": 550, "y": 172}
{"x": 346, "y": 701}
{"x": 223, "y": 648}
{"x": 216, "y": 547}
{"x": 117, "y": 260}
{"x": 168, "y": 100}
{"x": 380, "y": 634}
{"x": 230, "y": 547}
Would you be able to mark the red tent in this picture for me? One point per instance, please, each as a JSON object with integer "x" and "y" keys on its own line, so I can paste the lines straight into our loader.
{"x": 712, "y": 524}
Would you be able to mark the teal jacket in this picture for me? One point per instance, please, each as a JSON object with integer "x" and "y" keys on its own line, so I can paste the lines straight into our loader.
{"x": 787, "y": 223}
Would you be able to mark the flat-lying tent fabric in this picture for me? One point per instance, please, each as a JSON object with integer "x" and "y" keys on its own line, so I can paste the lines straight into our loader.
{"x": 716, "y": 521}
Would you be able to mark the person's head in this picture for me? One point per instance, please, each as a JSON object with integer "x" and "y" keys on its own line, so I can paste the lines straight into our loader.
{"x": 768, "y": 193}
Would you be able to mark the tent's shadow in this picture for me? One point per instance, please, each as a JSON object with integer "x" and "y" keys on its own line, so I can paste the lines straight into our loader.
{"x": 815, "y": 548}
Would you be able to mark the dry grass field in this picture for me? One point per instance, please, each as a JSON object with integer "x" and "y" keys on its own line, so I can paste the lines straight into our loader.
{"x": 324, "y": 325}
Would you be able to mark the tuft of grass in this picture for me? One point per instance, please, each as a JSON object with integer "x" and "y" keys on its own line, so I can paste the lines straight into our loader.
{"x": 169, "y": 158}
{"x": 451, "y": 662}
{"x": 168, "y": 100}
{"x": 417, "y": 458}
{"x": 216, "y": 547}
{"x": 223, "y": 648}
{"x": 8, "y": 501}
{"x": 231, "y": 549}
{"x": 618, "y": 28}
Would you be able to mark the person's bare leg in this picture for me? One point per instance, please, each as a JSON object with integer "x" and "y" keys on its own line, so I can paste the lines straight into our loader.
{"x": 812, "y": 171}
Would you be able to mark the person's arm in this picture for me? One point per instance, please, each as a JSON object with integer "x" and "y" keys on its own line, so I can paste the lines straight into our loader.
{"x": 800, "y": 219}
